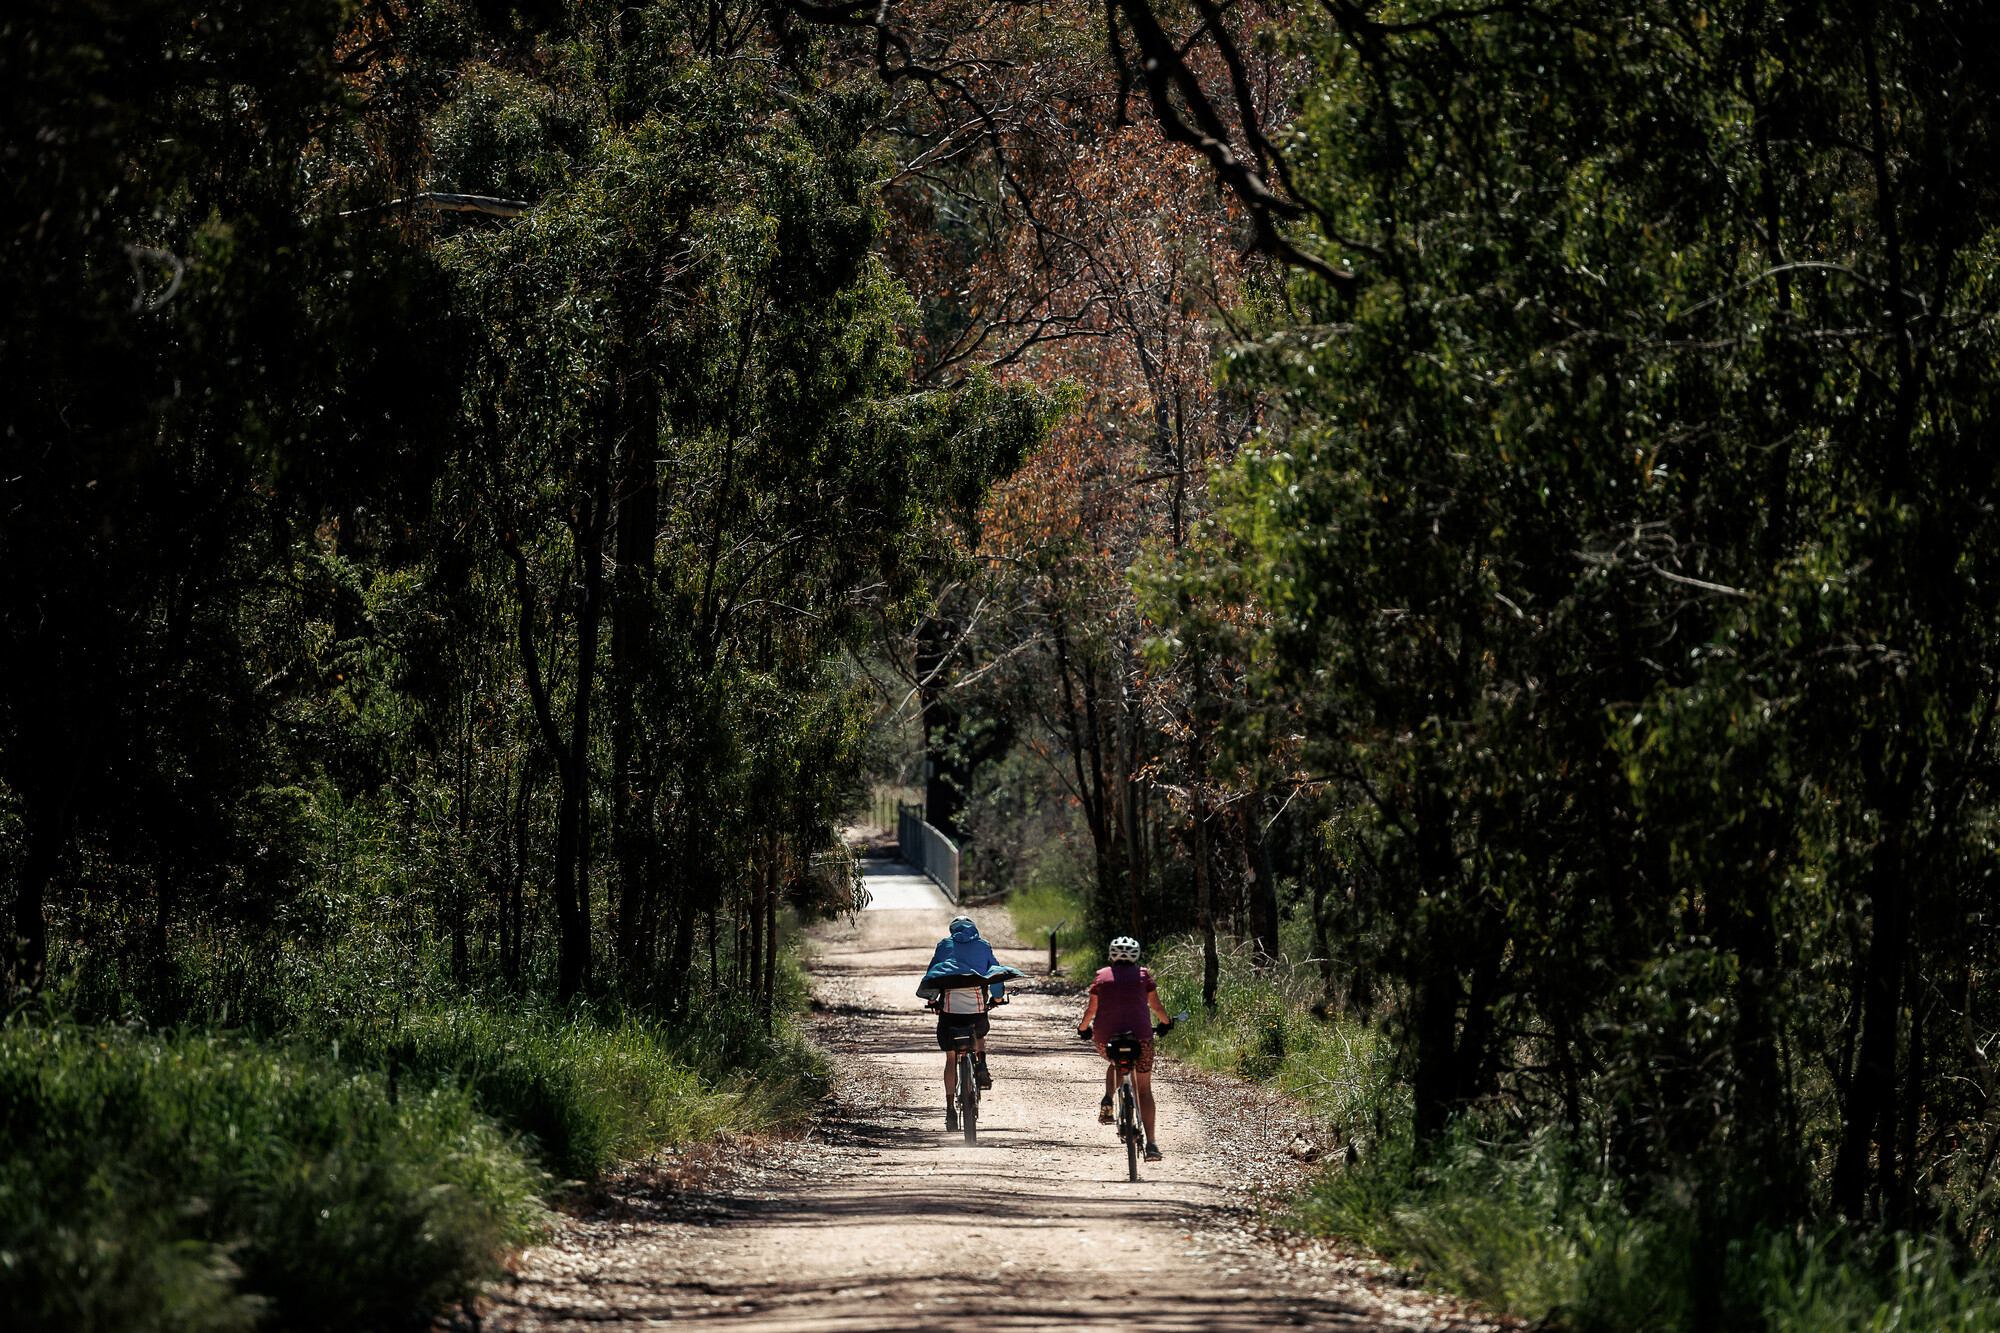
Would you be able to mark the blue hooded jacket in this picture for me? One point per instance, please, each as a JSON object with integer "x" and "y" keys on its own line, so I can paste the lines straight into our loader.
{"x": 964, "y": 954}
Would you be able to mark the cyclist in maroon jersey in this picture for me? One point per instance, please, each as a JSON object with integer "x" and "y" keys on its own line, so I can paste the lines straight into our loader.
{"x": 1124, "y": 999}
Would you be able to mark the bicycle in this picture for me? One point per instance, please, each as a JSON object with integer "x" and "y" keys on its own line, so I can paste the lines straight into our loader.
{"x": 965, "y": 1081}
{"x": 1124, "y": 1050}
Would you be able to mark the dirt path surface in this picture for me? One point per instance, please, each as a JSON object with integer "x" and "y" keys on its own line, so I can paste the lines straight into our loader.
{"x": 880, "y": 1220}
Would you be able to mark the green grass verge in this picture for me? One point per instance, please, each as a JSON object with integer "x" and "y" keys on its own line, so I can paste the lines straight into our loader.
{"x": 355, "y": 1173}
{"x": 1038, "y": 908}
{"x": 1521, "y": 1228}
{"x": 588, "y": 1090}
{"x": 1263, "y": 1028}
{"x": 196, "y": 1182}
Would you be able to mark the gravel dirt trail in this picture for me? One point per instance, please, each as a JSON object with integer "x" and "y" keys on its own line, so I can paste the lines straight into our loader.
{"x": 879, "y": 1220}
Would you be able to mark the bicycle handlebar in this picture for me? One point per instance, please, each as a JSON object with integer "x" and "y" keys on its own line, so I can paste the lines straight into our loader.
{"x": 1159, "y": 1029}
{"x": 937, "y": 1006}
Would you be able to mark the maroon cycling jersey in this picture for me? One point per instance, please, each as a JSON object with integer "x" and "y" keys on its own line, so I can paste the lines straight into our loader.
{"x": 1121, "y": 990}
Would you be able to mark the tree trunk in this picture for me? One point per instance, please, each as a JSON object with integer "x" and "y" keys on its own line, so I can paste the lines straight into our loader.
{"x": 1134, "y": 860}
{"x": 1565, "y": 1058}
{"x": 649, "y": 921}
{"x": 631, "y": 621}
{"x": 1204, "y": 901}
{"x": 714, "y": 965}
{"x": 1901, "y": 1205}
{"x": 944, "y": 775}
{"x": 1322, "y": 948}
{"x": 568, "y": 972}
{"x": 755, "y": 909}
{"x": 736, "y": 932}
{"x": 1473, "y": 1061}
{"x": 513, "y": 930}
{"x": 683, "y": 956}
{"x": 1264, "y": 904}
{"x": 573, "y": 835}
{"x": 1874, "y": 1081}
{"x": 1757, "y": 1089}
{"x": 771, "y": 936}
{"x": 1434, "y": 1081}
{"x": 456, "y": 906}
{"x": 574, "y": 958}
{"x": 28, "y": 959}
{"x": 572, "y": 867}
{"x": 1080, "y": 722}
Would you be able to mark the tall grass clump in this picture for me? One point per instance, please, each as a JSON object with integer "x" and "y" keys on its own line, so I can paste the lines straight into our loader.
{"x": 590, "y": 1089}
{"x": 1822, "y": 1285}
{"x": 200, "y": 1182}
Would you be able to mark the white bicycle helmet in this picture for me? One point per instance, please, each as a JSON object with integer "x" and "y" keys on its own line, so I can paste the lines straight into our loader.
{"x": 957, "y": 921}
{"x": 1124, "y": 949}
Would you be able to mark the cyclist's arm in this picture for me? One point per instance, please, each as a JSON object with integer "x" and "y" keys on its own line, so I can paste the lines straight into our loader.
{"x": 1153, "y": 999}
{"x": 1089, "y": 1014}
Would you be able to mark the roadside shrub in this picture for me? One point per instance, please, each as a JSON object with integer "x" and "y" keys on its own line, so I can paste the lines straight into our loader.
{"x": 1521, "y": 1230}
{"x": 199, "y": 1182}
{"x": 586, "y": 1093}
{"x": 590, "y": 1089}
{"x": 1265, "y": 1027}
{"x": 1524, "y": 1224}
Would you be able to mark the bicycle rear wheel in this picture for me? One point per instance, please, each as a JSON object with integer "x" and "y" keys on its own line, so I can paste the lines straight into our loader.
{"x": 1128, "y": 1130}
{"x": 968, "y": 1099}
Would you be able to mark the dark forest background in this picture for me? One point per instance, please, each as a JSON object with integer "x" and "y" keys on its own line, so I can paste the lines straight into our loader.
{"x": 1469, "y": 529}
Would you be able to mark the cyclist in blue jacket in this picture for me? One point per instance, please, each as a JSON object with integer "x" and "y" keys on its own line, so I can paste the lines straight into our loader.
{"x": 964, "y": 980}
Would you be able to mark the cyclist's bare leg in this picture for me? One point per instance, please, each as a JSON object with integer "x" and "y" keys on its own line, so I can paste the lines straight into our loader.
{"x": 1110, "y": 1080}
{"x": 979, "y": 1071}
{"x": 1144, "y": 1083}
{"x": 950, "y": 1076}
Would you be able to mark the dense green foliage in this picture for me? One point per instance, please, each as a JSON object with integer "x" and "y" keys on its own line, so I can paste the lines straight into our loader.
{"x": 1531, "y": 1222}
{"x": 1590, "y": 632}
{"x": 407, "y": 612}
{"x": 1614, "y": 570}
{"x": 522, "y": 550}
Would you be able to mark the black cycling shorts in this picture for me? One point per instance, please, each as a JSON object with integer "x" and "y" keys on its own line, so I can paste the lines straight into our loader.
{"x": 976, "y": 1024}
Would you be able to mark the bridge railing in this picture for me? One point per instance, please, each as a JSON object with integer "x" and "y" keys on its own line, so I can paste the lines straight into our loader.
{"x": 927, "y": 849}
